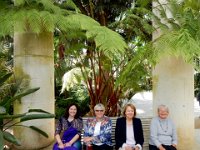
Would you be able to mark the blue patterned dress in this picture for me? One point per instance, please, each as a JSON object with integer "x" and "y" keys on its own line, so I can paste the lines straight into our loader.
{"x": 105, "y": 131}
{"x": 69, "y": 130}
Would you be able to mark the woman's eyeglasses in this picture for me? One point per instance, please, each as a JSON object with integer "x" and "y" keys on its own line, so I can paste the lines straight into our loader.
{"x": 99, "y": 110}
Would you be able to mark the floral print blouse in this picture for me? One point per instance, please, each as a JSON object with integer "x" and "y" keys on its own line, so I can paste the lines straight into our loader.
{"x": 63, "y": 124}
{"x": 105, "y": 130}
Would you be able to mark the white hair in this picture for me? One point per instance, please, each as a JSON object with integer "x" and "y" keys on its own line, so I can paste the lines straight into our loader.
{"x": 99, "y": 106}
{"x": 163, "y": 106}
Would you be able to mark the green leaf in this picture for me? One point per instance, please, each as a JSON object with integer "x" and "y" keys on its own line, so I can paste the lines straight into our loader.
{"x": 108, "y": 41}
{"x": 4, "y": 78}
{"x": 10, "y": 138}
{"x": 11, "y": 116}
{"x": 1, "y": 140}
{"x": 19, "y": 2}
{"x": 39, "y": 131}
{"x": 24, "y": 93}
{"x": 36, "y": 116}
{"x": 38, "y": 110}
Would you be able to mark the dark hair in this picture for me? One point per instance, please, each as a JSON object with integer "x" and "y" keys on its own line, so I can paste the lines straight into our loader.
{"x": 129, "y": 105}
{"x": 66, "y": 115}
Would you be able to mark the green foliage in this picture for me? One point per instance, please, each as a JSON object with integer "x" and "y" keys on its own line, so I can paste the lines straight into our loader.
{"x": 181, "y": 36}
{"x": 136, "y": 75}
{"x": 196, "y": 83}
{"x": 43, "y": 15}
{"x": 8, "y": 120}
{"x": 10, "y": 138}
{"x": 97, "y": 9}
{"x": 135, "y": 21}
{"x": 108, "y": 41}
{"x": 78, "y": 94}
{"x": 1, "y": 140}
{"x": 113, "y": 71}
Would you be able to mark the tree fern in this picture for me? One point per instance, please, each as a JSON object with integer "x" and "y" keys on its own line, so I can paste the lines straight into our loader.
{"x": 107, "y": 41}
{"x": 182, "y": 37}
{"x": 43, "y": 15}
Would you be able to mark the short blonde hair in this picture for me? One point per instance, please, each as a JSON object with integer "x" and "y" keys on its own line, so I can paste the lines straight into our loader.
{"x": 99, "y": 106}
{"x": 129, "y": 105}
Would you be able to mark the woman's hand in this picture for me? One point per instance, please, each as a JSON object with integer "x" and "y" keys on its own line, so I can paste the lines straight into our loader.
{"x": 137, "y": 148}
{"x": 128, "y": 148}
{"x": 87, "y": 139}
{"x": 67, "y": 144}
{"x": 161, "y": 147}
{"x": 61, "y": 145}
{"x": 174, "y": 145}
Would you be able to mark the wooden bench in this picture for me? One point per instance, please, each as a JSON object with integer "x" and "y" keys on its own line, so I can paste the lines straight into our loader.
{"x": 145, "y": 124}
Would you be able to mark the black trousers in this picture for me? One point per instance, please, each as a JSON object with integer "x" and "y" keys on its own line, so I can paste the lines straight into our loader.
{"x": 98, "y": 147}
{"x": 167, "y": 147}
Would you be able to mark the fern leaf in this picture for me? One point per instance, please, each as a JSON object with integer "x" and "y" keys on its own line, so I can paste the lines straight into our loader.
{"x": 19, "y": 2}
{"x": 47, "y": 21}
{"x": 107, "y": 41}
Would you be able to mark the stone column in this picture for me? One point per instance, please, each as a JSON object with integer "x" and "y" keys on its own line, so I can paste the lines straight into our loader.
{"x": 34, "y": 62}
{"x": 173, "y": 85}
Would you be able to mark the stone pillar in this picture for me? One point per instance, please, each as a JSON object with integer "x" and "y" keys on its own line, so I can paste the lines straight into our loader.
{"x": 34, "y": 62}
{"x": 173, "y": 85}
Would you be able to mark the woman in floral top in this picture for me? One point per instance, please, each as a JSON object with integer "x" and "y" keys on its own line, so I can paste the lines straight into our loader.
{"x": 97, "y": 130}
{"x": 70, "y": 125}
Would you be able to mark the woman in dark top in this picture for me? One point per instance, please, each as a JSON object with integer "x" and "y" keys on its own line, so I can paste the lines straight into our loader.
{"x": 129, "y": 132}
{"x": 70, "y": 125}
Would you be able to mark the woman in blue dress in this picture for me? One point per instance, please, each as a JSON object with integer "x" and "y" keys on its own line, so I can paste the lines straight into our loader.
{"x": 68, "y": 130}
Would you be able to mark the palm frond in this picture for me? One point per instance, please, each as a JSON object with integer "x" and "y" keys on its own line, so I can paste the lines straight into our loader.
{"x": 74, "y": 77}
{"x": 182, "y": 37}
{"x": 19, "y": 2}
{"x": 108, "y": 41}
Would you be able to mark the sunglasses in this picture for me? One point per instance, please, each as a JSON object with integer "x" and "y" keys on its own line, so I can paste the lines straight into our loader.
{"x": 99, "y": 110}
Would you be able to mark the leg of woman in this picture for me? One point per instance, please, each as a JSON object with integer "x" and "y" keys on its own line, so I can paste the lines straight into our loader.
{"x": 106, "y": 147}
{"x": 173, "y": 148}
{"x": 77, "y": 145}
{"x": 152, "y": 147}
{"x": 169, "y": 147}
{"x": 96, "y": 147}
{"x": 86, "y": 147}
{"x": 55, "y": 147}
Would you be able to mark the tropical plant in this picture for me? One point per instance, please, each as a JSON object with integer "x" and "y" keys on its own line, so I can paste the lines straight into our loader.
{"x": 40, "y": 16}
{"x": 45, "y": 16}
{"x": 77, "y": 94}
{"x": 108, "y": 79}
{"x": 179, "y": 22}
{"x": 38, "y": 19}
{"x": 8, "y": 120}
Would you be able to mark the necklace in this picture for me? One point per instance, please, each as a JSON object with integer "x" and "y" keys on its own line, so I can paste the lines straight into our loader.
{"x": 164, "y": 125}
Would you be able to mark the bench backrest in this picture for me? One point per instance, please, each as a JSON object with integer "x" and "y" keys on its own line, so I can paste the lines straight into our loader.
{"x": 145, "y": 124}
